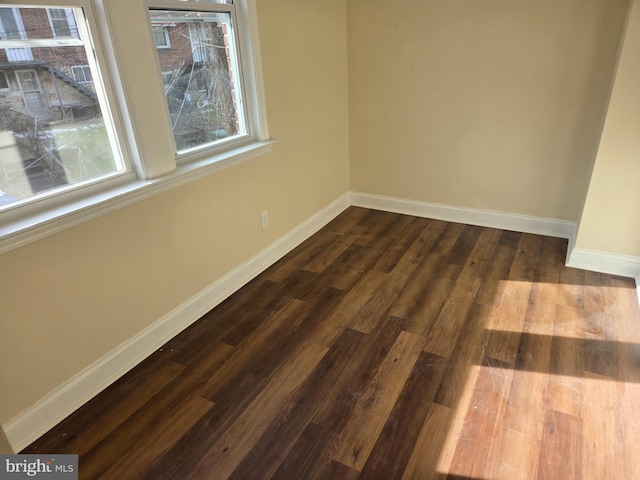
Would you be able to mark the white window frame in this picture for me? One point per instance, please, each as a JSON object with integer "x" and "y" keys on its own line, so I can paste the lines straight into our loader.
{"x": 243, "y": 18}
{"x": 145, "y": 176}
{"x": 20, "y": 219}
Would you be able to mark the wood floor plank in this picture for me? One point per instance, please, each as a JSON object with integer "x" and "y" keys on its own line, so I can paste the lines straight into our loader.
{"x": 565, "y": 388}
{"x": 424, "y": 463}
{"x": 168, "y": 402}
{"x": 443, "y": 334}
{"x": 482, "y": 252}
{"x": 507, "y": 320}
{"x": 400, "y": 243}
{"x": 423, "y": 280}
{"x": 244, "y": 355}
{"x": 201, "y": 437}
{"x": 464, "y": 245}
{"x": 601, "y": 425}
{"x": 345, "y": 222}
{"x": 561, "y": 447}
{"x": 483, "y": 419}
{"x": 297, "y": 332}
{"x": 514, "y": 456}
{"x": 571, "y": 288}
{"x": 426, "y": 310}
{"x": 525, "y": 262}
{"x": 447, "y": 240}
{"x": 352, "y": 302}
{"x": 266, "y": 455}
{"x": 232, "y": 446}
{"x": 526, "y": 405}
{"x": 330, "y": 253}
{"x": 395, "y": 444}
{"x": 90, "y": 425}
{"x": 377, "y": 306}
{"x": 342, "y": 398}
{"x": 139, "y": 457}
{"x": 469, "y": 351}
{"x": 378, "y": 224}
{"x": 421, "y": 247}
{"x": 308, "y": 455}
{"x": 498, "y": 269}
{"x": 302, "y": 254}
{"x": 384, "y": 347}
{"x": 358, "y": 437}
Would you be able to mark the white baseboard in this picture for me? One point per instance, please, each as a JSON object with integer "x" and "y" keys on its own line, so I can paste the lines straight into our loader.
{"x": 484, "y": 218}
{"x": 605, "y": 262}
{"x": 65, "y": 399}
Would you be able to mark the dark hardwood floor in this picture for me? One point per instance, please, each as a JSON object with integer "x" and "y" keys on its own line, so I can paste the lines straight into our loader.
{"x": 386, "y": 347}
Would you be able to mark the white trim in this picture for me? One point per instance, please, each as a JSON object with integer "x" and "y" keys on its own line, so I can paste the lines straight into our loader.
{"x": 22, "y": 231}
{"x": 65, "y": 399}
{"x": 605, "y": 262}
{"x": 251, "y": 59}
{"x": 484, "y": 218}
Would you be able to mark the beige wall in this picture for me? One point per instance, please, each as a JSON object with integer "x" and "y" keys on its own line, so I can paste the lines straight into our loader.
{"x": 493, "y": 105}
{"x": 611, "y": 217}
{"x": 73, "y": 297}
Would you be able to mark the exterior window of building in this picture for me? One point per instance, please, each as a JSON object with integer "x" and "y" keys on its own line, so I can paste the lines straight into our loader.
{"x": 62, "y": 22}
{"x": 82, "y": 73}
{"x": 161, "y": 36}
{"x": 56, "y": 134}
{"x": 202, "y": 76}
{"x": 10, "y": 25}
{"x": 11, "y": 28}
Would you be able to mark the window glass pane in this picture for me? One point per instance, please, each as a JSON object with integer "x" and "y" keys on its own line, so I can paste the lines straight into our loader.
{"x": 9, "y": 28}
{"x": 61, "y": 27}
{"x": 161, "y": 36}
{"x": 201, "y": 77}
{"x": 53, "y": 134}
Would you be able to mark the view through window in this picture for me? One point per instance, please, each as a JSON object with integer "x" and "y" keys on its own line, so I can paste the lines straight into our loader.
{"x": 199, "y": 65}
{"x": 55, "y": 132}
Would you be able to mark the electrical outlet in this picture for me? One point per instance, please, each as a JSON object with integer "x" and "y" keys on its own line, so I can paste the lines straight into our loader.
{"x": 264, "y": 216}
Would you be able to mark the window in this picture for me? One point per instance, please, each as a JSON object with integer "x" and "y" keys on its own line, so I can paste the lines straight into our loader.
{"x": 62, "y": 22}
{"x": 82, "y": 73}
{"x": 4, "y": 82}
{"x": 10, "y": 25}
{"x": 84, "y": 131}
{"x": 203, "y": 80}
{"x": 161, "y": 35}
{"x": 56, "y": 136}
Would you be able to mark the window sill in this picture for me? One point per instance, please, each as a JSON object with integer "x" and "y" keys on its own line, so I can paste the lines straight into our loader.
{"x": 34, "y": 227}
